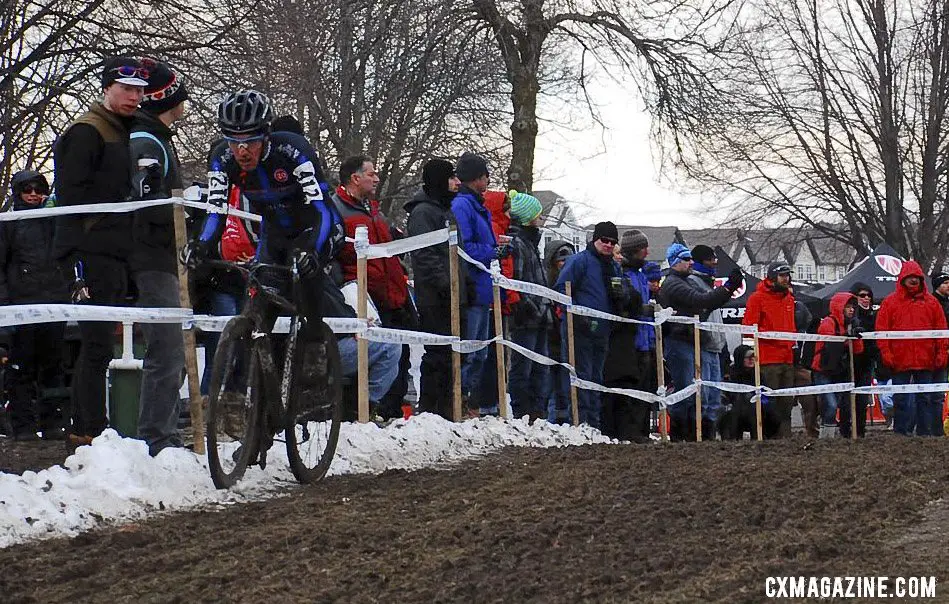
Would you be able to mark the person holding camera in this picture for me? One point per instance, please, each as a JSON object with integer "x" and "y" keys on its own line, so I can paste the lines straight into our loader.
{"x": 690, "y": 297}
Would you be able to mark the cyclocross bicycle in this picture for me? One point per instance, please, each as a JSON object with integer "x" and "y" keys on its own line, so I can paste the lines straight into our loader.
{"x": 250, "y": 402}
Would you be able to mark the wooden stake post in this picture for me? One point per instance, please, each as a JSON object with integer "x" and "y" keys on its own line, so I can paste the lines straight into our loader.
{"x": 455, "y": 321}
{"x": 853, "y": 395}
{"x": 499, "y": 331}
{"x": 758, "y": 389}
{"x": 571, "y": 357}
{"x": 191, "y": 354}
{"x": 661, "y": 380}
{"x": 362, "y": 311}
{"x": 698, "y": 377}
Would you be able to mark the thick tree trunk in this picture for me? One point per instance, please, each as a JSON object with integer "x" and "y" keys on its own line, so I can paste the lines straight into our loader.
{"x": 520, "y": 175}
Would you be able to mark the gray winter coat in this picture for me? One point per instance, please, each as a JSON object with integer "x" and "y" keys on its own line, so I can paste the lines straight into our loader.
{"x": 712, "y": 341}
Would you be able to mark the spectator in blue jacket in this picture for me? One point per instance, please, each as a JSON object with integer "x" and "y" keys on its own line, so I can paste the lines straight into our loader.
{"x": 478, "y": 241}
{"x": 590, "y": 273}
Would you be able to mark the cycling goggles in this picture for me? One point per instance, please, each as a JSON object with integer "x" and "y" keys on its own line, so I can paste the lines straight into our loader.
{"x": 233, "y": 140}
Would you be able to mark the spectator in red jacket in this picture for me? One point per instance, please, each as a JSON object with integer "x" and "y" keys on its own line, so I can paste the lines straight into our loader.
{"x": 831, "y": 363}
{"x": 386, "y": 279}
{"x": 771, "y": 308}
{"x": 912, "y": 308}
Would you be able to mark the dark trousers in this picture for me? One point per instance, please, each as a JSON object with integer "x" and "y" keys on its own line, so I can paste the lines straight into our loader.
{"x": 391, "y": 404}
{"x": 776, "y": 377}
{"x": 163, "y": 366}
{"x": 107, "y": 280}
{"x": 435, "y": 390}
{"x": 38, "y": 397}
{"x": 529, "y": 382}
{"x": 625, "y": 418}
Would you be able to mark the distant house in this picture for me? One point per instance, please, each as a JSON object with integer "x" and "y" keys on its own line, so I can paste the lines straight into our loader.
{"x": 560, "y": 222}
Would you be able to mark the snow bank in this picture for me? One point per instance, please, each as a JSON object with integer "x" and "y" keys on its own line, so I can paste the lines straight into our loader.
{"x": 116, "y": 480}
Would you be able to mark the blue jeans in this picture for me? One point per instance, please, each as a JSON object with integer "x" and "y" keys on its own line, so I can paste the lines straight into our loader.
{"x": 921, "y": 411}
{"x": 528, "y": 382}
{"x": 383, "y": 364}
{"x": 590, "y": 352}
{"x": 831, "y": 400}
{"x": 477, "y": 327}
{"x": 680, "y": 360}
{"x": 711, "y": 397}
{"x": 222, "y": 305}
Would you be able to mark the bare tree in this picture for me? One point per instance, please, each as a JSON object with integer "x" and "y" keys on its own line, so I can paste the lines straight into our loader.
{"x": 836, "y": 115}
{"x": 657, "y": 42}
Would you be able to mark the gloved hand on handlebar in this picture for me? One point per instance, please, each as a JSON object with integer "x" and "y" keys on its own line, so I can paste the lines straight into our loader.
{"x": 195, "y": 252}
{"x": 308, "y": 263}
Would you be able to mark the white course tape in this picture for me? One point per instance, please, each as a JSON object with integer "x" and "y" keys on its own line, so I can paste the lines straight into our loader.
{"x": 728, "y": 386}
{"x": 403, "y": 336}
{"x": 585, "y": 311}
{"x": 464, "y": 256}
{"x": 469, "y": 346}
{"x": 409, "y": 244}
{"x": 637, "y": 394}
{"x": 904, "y": 389}
{"x": 800, "y": 337}
{"x": 682, "y": 319}
{"x": 905, "y": 335}
{"x": 215, "y": 209}
{"x": 532, "y": 288}
{"x": 678, "y": 396}
{"x": 726, "y": 327}
{"x": 805, "y": 390}
{"x": 216, "y": 323}
{"x": 25, "y": 314}
{"x": 88, "y": 208}
{"x": 536, "y": 357}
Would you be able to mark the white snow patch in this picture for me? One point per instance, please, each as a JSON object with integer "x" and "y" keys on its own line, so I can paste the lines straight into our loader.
{"x": 114, "y": 479}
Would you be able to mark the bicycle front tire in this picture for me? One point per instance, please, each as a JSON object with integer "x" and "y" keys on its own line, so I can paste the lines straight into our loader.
{"x": 233, "y": 404}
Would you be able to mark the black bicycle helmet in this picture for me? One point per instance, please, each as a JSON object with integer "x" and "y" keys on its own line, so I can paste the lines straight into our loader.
{"x": 245, "y": 112}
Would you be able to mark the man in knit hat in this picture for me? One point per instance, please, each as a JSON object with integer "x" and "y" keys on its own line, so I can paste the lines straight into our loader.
{"x": 153, "y": 259}
{"x": 590, "y": 273}
{"x": 687, "y": 298}
{"x": 530, "y": 314}
{"x": 430, "y": 210}
{"x": 633, "y": 366}
{"x": 93, "y": 164}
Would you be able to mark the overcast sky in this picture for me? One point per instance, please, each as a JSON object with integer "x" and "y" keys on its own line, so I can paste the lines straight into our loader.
{"x": 615, "y": 170}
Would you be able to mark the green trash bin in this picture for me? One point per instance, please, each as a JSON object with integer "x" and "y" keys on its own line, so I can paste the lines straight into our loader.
{"x": 124, "y": 387}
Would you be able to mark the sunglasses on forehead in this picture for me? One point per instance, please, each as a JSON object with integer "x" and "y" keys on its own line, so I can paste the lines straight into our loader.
{"x": 129, "y": 71}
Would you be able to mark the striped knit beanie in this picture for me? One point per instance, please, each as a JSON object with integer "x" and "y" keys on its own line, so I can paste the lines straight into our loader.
{"x": 524, "y": 207}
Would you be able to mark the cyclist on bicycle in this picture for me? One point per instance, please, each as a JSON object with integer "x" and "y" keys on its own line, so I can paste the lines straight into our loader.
{"x": 280, "y": 175}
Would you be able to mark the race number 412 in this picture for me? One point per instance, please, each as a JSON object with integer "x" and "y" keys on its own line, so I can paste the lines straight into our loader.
{"x": 850, "y": 587}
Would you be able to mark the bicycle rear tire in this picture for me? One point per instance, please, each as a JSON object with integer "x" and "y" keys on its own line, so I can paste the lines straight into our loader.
{"x": 235, "y": 361}
{"x": 307, "y": 419}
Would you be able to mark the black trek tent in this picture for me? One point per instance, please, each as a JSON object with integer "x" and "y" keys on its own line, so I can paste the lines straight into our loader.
{"x": 879, "y": 270}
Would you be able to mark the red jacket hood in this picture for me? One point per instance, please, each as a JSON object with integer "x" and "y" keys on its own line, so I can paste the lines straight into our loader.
{"x": 911, "y": 268}
{"x": 494, "y": 202}
{"x": 837, "y": 304}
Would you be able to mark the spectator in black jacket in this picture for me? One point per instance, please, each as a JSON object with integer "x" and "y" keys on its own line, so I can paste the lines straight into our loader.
{"x": 30, "y": 275}
{"x": 430, "y": 210}
{"x": 153, "y": 256}
{"x": 941, "y": 291}
{"x": 682, "y": 295}
{"x": 531, "y": 315}
{"x": 866, "y": 365}
{"x": 93, "y": 164}
{"x": 558, "y": 404}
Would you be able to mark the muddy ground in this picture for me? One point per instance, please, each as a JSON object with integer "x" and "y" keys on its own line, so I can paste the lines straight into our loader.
{"x": 636, "y": 523}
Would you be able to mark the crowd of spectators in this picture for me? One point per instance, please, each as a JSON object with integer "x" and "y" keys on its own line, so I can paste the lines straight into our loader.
{"x": 123, "y": 149}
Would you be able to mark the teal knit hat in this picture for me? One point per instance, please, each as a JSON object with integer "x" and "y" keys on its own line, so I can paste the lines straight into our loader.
{"x": 524, "y": 207}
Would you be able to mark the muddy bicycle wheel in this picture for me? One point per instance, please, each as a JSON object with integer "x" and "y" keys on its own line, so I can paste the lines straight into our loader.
{"x": 314, "y": 405}
{"x": 233, "y": 404}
